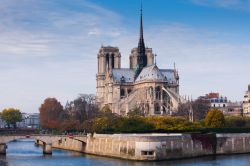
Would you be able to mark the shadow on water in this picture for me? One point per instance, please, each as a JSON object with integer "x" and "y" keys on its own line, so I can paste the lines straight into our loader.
{"x": 25, "y": 153}
{"x": 3, "y": 161}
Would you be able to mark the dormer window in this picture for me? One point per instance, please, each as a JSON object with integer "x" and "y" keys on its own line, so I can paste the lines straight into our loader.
{"x": 122, "y": 79}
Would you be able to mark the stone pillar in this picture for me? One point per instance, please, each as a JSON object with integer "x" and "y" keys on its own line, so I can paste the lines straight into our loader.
{"x": 3, "y": 148}
{"x": 47, "y": 148}
{"x": 161, "y": 98}
{"x": 36, "y": 142}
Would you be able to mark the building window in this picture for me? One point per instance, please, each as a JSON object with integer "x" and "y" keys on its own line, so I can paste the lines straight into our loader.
{"x": 113, "y": 61}
{"x": 158, "y": 93}
{"x": 157, "y": 108}
{"x": 147, "y": 153}
{"x": 122, "y": 79}
{"x": 122, "y": 93}
{"x": 107, "y": 59}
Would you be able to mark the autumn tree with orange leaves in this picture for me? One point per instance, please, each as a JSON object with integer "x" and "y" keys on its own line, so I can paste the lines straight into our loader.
{"x": 51, "y": 113}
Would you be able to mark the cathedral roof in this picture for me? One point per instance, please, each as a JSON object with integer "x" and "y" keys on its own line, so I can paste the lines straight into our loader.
{"x": 169, "y": 74}
{"x": 123, "y": 74}
{"x": 151, "y": 73}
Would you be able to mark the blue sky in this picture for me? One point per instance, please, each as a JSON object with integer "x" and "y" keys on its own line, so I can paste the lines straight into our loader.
{"x": 48, "y": 48}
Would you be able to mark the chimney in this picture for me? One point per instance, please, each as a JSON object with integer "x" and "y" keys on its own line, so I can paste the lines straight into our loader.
{"x": 249, "y": 87}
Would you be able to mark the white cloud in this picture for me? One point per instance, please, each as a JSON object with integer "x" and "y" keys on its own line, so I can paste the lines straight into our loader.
{"x": 47, "y": 50}
{"x": 228, "y": 4}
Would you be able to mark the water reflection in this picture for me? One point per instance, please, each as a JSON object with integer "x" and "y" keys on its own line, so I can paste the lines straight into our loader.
{"x": 25, "y": 153}
{"x": 3, "y": 161}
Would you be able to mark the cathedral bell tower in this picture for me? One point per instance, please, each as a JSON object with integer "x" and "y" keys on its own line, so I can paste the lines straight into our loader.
{"x": 109, "y": 58}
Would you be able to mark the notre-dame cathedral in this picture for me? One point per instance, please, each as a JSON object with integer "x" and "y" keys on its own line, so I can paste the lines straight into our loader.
{"x": 143, "y": 85}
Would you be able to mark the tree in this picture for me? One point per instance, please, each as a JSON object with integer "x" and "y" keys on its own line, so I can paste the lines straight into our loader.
{"x": 11, "y": 116}
{"x": 82, "y": 108}
{"x": 183, "y": 110}
{"x": 70, "y": 125}
{"x": 200, "y": 109}
{"x": 51, "y": 113}
{"x": 215, "y": 119}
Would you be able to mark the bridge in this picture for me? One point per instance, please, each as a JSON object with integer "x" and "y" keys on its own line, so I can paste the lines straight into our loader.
{"x": 40, "y": 139}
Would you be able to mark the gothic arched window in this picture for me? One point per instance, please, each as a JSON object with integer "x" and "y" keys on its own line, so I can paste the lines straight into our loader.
{"x": 107, "y": 59}
{"x": 157, "y": 108}
{"x": 122, "y": 93}
{"x": 158, "y": 92}
{"x": 113, "y": 61}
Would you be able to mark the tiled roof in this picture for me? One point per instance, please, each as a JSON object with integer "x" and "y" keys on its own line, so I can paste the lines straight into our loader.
{"x": 126, "y": 74}
{"x": 169, "y": 74}
{"x": 151, "y": 73}
{"x": 148, "y": 73}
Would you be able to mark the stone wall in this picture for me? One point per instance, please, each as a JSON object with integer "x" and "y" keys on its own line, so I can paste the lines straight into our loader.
{"x": 158, "y": 146}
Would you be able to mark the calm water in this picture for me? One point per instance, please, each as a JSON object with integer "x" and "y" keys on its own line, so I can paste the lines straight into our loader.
{"x": 25, "y": 153}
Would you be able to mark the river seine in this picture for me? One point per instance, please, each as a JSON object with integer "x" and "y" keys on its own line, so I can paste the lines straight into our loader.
{"x": 25, "y": 153}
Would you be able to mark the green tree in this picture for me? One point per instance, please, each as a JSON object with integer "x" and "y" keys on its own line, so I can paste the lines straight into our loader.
{"x": 135, "y": 124}
{"x": 235, "y": 121}
{"x": 11, "y": 116}
{"x": 215, "y": 119}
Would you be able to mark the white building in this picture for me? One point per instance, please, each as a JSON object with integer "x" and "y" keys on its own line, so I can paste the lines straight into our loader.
{"x": 217, "y": 101}
{"x": 246, "y": 103}
{"x": 33, "y": 121}
{"x": 2, "y": 123}
{"x": 233, "y": 109}
{"x": 29, "y": 121}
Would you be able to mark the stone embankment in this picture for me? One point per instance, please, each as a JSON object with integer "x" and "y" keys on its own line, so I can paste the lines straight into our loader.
{"x": 158, "y": 146}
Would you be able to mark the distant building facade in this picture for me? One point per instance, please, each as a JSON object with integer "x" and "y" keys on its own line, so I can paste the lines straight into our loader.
{"x": 216, "y": 101}
{"x": 143, "y": 85}
{"x": 29, "y": 121}
{"x": 2, "y": 123}
{"x": 246, "y": 102}
{"x": 234, "y": 109}
{"x": 223, "y": 104}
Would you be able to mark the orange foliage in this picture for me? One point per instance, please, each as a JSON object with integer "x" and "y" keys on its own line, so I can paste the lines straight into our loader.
{"x": 50, "y": 112}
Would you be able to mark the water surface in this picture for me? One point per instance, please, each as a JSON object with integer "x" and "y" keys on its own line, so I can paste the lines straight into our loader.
{"x": 25, "y": 153}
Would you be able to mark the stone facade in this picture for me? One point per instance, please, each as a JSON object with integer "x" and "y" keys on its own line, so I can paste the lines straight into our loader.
{"x": 158, "y": 146}
{"x": 143, "y": 85}
{"x": 246, "y": 103}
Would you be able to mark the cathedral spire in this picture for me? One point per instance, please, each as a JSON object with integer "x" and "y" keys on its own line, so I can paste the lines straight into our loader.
{"x": 141, "y": 58}
{"x": 141, "y": 40}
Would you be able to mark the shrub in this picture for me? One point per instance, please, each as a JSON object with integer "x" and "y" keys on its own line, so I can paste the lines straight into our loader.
{"x": 135, "y": 112}
{"x": 106, "y": 109}
{"x": 235, "y": 122}
{"x": 135, "y": 124}
{"x": 215, "y": 119}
